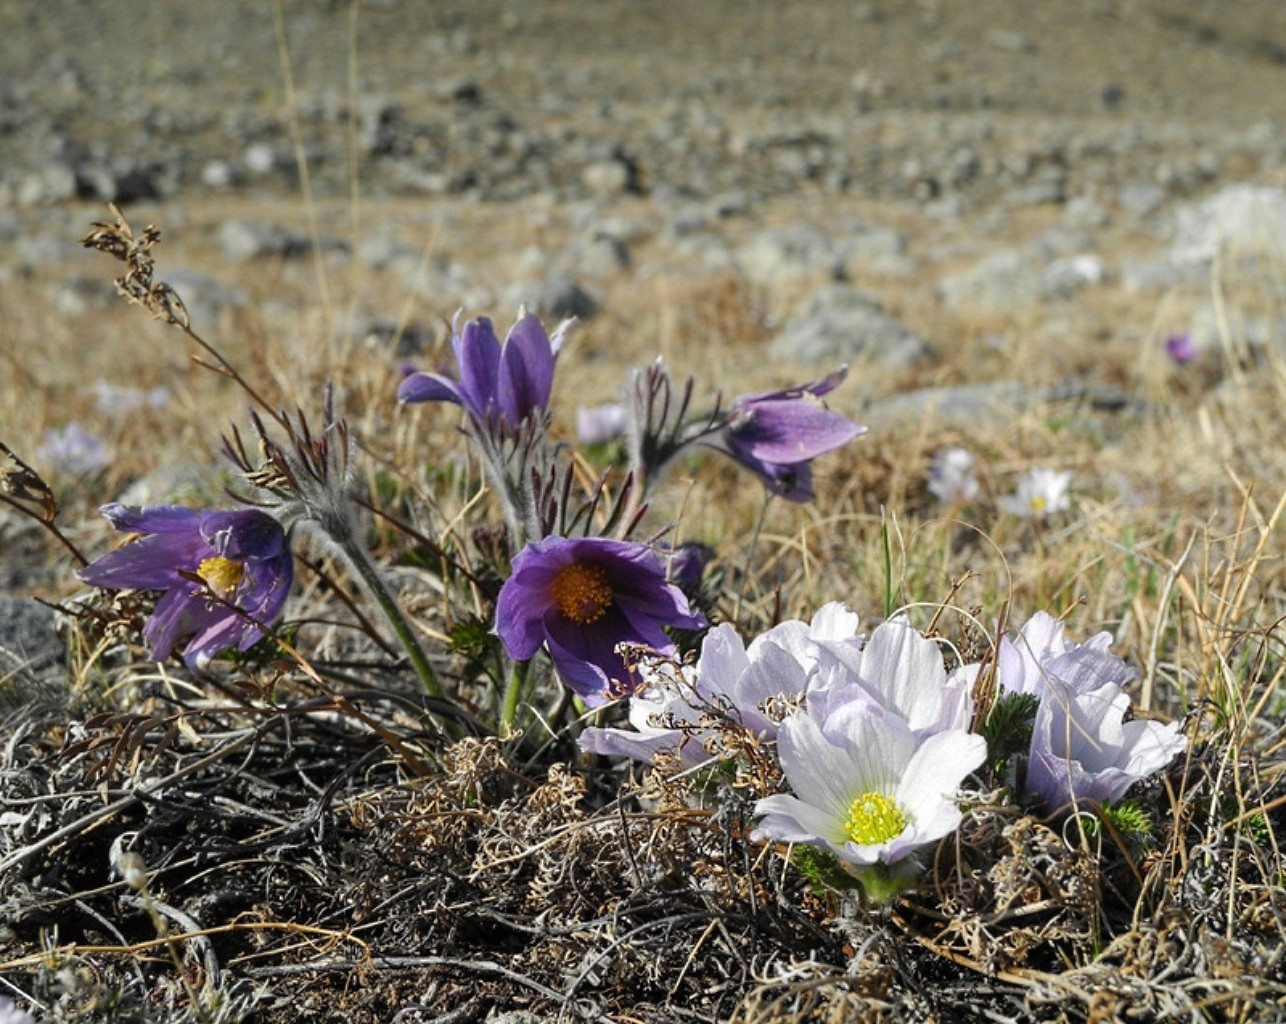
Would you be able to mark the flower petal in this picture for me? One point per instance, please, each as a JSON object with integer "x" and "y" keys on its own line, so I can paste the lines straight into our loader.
{"x": 526, "y": 371}
{"x": 428, "y": 387}
{"x": 477, "y": 349}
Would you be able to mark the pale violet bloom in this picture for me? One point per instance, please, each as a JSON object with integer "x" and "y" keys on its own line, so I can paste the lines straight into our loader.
{"x": 866, "y": 786}
{"x": 1040, "y": 493}
{"x": 1081, "y": 747}
{"x": 752, "y": 686}
{"x": 73, "y": 450}
{"x": 897, "y": 670}
{"x": 951, "y": 478}
{"x": 600, "y": 423}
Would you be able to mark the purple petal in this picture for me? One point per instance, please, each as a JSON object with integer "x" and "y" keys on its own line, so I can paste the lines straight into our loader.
{"x": 790, "y": 431}
{"x": 243, "y": 534}
{"x": 148, "y": 564}
{"x": 477, "y": 350}
{"x": 151, "y": 518}
{"x": 182, "y": 610}
{"x": 526, "y": 371}
{"x": 428, "y": 387}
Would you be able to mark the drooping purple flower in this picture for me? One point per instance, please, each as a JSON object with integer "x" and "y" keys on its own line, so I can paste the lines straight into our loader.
{"x": 500, "y": 384}
{"x": 240, "y": 558}
{"x": 1081, "y": 746}
{"x": 777, "y": 434}
{"x": 583, "y": 597}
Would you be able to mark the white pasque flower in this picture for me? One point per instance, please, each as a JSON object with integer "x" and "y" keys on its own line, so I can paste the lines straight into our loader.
{"x": 731, "y": 681}
{"x": 1040, "y": 493}
{"x": 951, "y": 478}
{"x": 866, "y": 787}
{"x": 898, "y": 670}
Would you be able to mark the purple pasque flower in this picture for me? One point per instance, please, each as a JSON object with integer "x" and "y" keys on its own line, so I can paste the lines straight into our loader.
{"x": 598, "y": 424}
{"x": 1081, "y": 746}
{"x": 777, "y": 434}
{"x": 679, "y": 710}
{"x": 499, "y": 383}
{"x": 226, "y": 575}
{"x": 581, "y": 598}
{"x": 74, "y": 450}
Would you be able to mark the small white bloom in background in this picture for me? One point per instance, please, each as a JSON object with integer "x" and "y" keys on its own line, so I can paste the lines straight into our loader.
{"x": 1040, "y": 493}
{"x": 866, "y": 787}
{"x": 10, "y": 1014}
{"x": 731, "y": 681}
{"x": 115, "y": 399}
{"x": 74, "y": 450}
{"x": 951, "y": 478}
{"x": 600, "y": 423}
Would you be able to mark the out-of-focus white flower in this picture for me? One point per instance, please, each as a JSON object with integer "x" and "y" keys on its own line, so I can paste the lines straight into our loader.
{"x": 866, "y": 786}
{"x": 74, "y": 450}
{"x": 751, "y": 686}
{"x": 600, "y": 423}
{"x": 1040, "y": 493}
{"x": 10, "y": 1014}
{"x": 897, "y": 670}
{"x": 951, "y": 478}
{"x": 117, "y": 399}
{"x": 1081, "y": 746}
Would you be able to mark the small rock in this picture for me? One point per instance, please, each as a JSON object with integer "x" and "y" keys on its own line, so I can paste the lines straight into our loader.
{"x": 555, "y": 297}
{"x": 840, "y": 323}
{"x": 203, "y": 297}
{"x": 79, "y": 295}
{"x": 1140, "y": 199}
{"x": 1243, "y": 219}
{"x": 54, "y": 183}
{"x": 607, "y": 178}
{"x": 218, "y": 174}
{"x": 1007, "y": 39}
{"x": 788, "y": 253}
{"x": 259, "y": 159}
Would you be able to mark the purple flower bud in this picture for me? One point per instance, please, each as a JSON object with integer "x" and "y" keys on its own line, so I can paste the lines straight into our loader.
{"x": 500, "y": 384}
{"x": 1181, "y": 348}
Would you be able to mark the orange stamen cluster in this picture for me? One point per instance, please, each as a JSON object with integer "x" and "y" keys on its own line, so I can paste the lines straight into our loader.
{"x": 582, "y": 592}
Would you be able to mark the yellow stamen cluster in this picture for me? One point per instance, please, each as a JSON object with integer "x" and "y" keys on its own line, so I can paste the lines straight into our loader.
{"x": 874, "y": 818}
{"x": 222, "y": 575}
{"x": 1038, "y": 504}
{"x": 582, "y": 593}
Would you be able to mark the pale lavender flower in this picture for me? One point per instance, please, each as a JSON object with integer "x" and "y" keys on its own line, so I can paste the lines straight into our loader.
{"x": 1081, "y": 747}
{"x": 500, "y": 384}
{"x": 866, "y": 786}
{"x": 777, "y": 434}
{"x": 601, "y": 423}
{"x": 951, "y": 478}
{"x": 225, "y": 574}
{"x": 73, "y": 450}
{"x": 1040, "y": 493}
{"x": 582, "y": 598}
{"x": 750, "y": 686}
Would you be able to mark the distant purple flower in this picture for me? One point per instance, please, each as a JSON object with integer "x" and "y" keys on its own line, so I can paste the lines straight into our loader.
{"x": 74, "y": 450}
{"x": 499, "y": 383}
{"x": 777, "y": 434}
{"x": 240, "y": 555}
{"x": 1181, "y": 348}
{"x": 581, "y": 598}
{"x": 686, "y": 564}
{"x": 1081, "y": 746}
{"x": 600, "y": 423}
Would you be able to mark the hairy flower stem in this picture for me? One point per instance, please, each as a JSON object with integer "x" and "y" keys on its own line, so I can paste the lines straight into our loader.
{"x": 419, "y": 661}
{"x": 514, "y": 686}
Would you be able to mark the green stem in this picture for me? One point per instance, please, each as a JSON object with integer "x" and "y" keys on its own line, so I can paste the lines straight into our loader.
{"x": 428, "y": 678}
{"x": 513, "y": 693}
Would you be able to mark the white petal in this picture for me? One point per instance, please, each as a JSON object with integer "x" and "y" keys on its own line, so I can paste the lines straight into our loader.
{"x": 790, "y": 820}
{"x": 818, "y": 772}
{"x": 935, "y": 771}
{"x": 722, "y": 662}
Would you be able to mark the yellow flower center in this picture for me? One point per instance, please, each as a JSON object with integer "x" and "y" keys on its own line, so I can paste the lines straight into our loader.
{"x": 222, "y": 575}
{"x": 582, "y": 593}
{"x": 874, "y": 818}
{"x": 1039, "y": 504}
